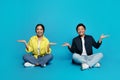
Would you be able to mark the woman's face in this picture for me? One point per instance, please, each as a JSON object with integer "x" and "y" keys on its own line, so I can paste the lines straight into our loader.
{"x": 39, "y": 31}
{"x": 81, "y": 30}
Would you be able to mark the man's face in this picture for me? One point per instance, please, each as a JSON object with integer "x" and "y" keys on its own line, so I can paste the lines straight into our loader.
{"x": 81, "y": 30}
{"x": 39, "y": 31}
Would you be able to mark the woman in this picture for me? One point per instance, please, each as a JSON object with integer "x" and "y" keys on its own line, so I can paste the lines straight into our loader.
{"x": 40, "y": 47}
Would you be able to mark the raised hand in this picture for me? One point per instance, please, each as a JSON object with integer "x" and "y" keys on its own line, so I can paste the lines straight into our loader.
{"x": 104, "y": 36}
{"x": 23, "y": 41}
{"x": 52, "y": 43}
{"x": 66, "y": 44}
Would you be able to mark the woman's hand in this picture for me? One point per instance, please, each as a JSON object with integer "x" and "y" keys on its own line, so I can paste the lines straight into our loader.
{"x": 52, "y": 43}
{"x": 23, "y": 41}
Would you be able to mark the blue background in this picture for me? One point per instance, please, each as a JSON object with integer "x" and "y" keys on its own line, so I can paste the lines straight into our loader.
{"x": 18, "y": 19}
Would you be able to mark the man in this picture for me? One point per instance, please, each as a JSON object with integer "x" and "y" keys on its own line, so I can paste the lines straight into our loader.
{"x": 40, "y": 47}
{"x": 82, "y": 48}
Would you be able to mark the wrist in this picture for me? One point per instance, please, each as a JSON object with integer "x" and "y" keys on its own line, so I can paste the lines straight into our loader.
{"x": 69, "y": 46}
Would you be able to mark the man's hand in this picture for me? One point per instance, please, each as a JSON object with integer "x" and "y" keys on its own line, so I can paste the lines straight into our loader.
{"x": 104, "y": 36}
{"x": 66, "y": 44}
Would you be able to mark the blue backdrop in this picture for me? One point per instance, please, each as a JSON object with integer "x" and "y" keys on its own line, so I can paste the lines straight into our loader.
{"x": 18, "y": 19}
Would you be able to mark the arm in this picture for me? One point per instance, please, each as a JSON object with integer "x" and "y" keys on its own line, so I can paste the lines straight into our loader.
{"x": 23, "y": 41}
{"x": 48, "y": 48}
{"x": 72, "y": 47}
{"x": 97, "y": 45}
{"x": 67, "y": 44}
{"x": 102, "y": 37}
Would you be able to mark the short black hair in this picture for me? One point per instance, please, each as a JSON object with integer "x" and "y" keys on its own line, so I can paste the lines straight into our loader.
{"x": 41, "y": 26}
{"x": 80, "y": 24}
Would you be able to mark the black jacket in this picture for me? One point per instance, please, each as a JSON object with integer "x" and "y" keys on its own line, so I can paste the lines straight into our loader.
{"x": 89, "y": 42}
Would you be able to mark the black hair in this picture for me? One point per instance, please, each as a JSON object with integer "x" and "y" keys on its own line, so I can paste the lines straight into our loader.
{"x": 80, "y": 24}
{"x": 41, "y": 26}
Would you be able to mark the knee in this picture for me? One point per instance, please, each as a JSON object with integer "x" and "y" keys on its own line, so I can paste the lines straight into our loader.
{"x": 26, "y": 56}
{"x": 100, "y": 54}
{"x": 50, "y": 56}
{"x": 75, "y": 56}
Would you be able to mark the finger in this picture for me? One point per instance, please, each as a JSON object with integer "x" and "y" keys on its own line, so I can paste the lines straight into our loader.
{"x": 52, "y": 43}
{"x": 64, "y": 44}
{"x": 19, "y": 41}
{"x": 105, "y": 36}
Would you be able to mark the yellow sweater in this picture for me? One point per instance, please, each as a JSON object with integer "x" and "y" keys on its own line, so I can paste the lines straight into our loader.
{"x": 33, "y": 46}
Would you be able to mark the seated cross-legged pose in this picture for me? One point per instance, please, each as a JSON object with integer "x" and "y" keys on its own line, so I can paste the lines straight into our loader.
{"x": 82, "y": 48}
{"x": 39, "y": 47}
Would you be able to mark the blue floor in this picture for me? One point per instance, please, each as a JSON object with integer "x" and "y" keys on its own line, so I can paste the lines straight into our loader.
{"x": 60, "y": 17}
{"x": 60, "y": 68}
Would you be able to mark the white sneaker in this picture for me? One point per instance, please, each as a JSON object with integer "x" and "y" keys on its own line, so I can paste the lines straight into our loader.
{"x": 85, "y": 66}
{"x": 97, "y": 65}
{"x": 27, "y": 64}
{"x": 44, "y": 65}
